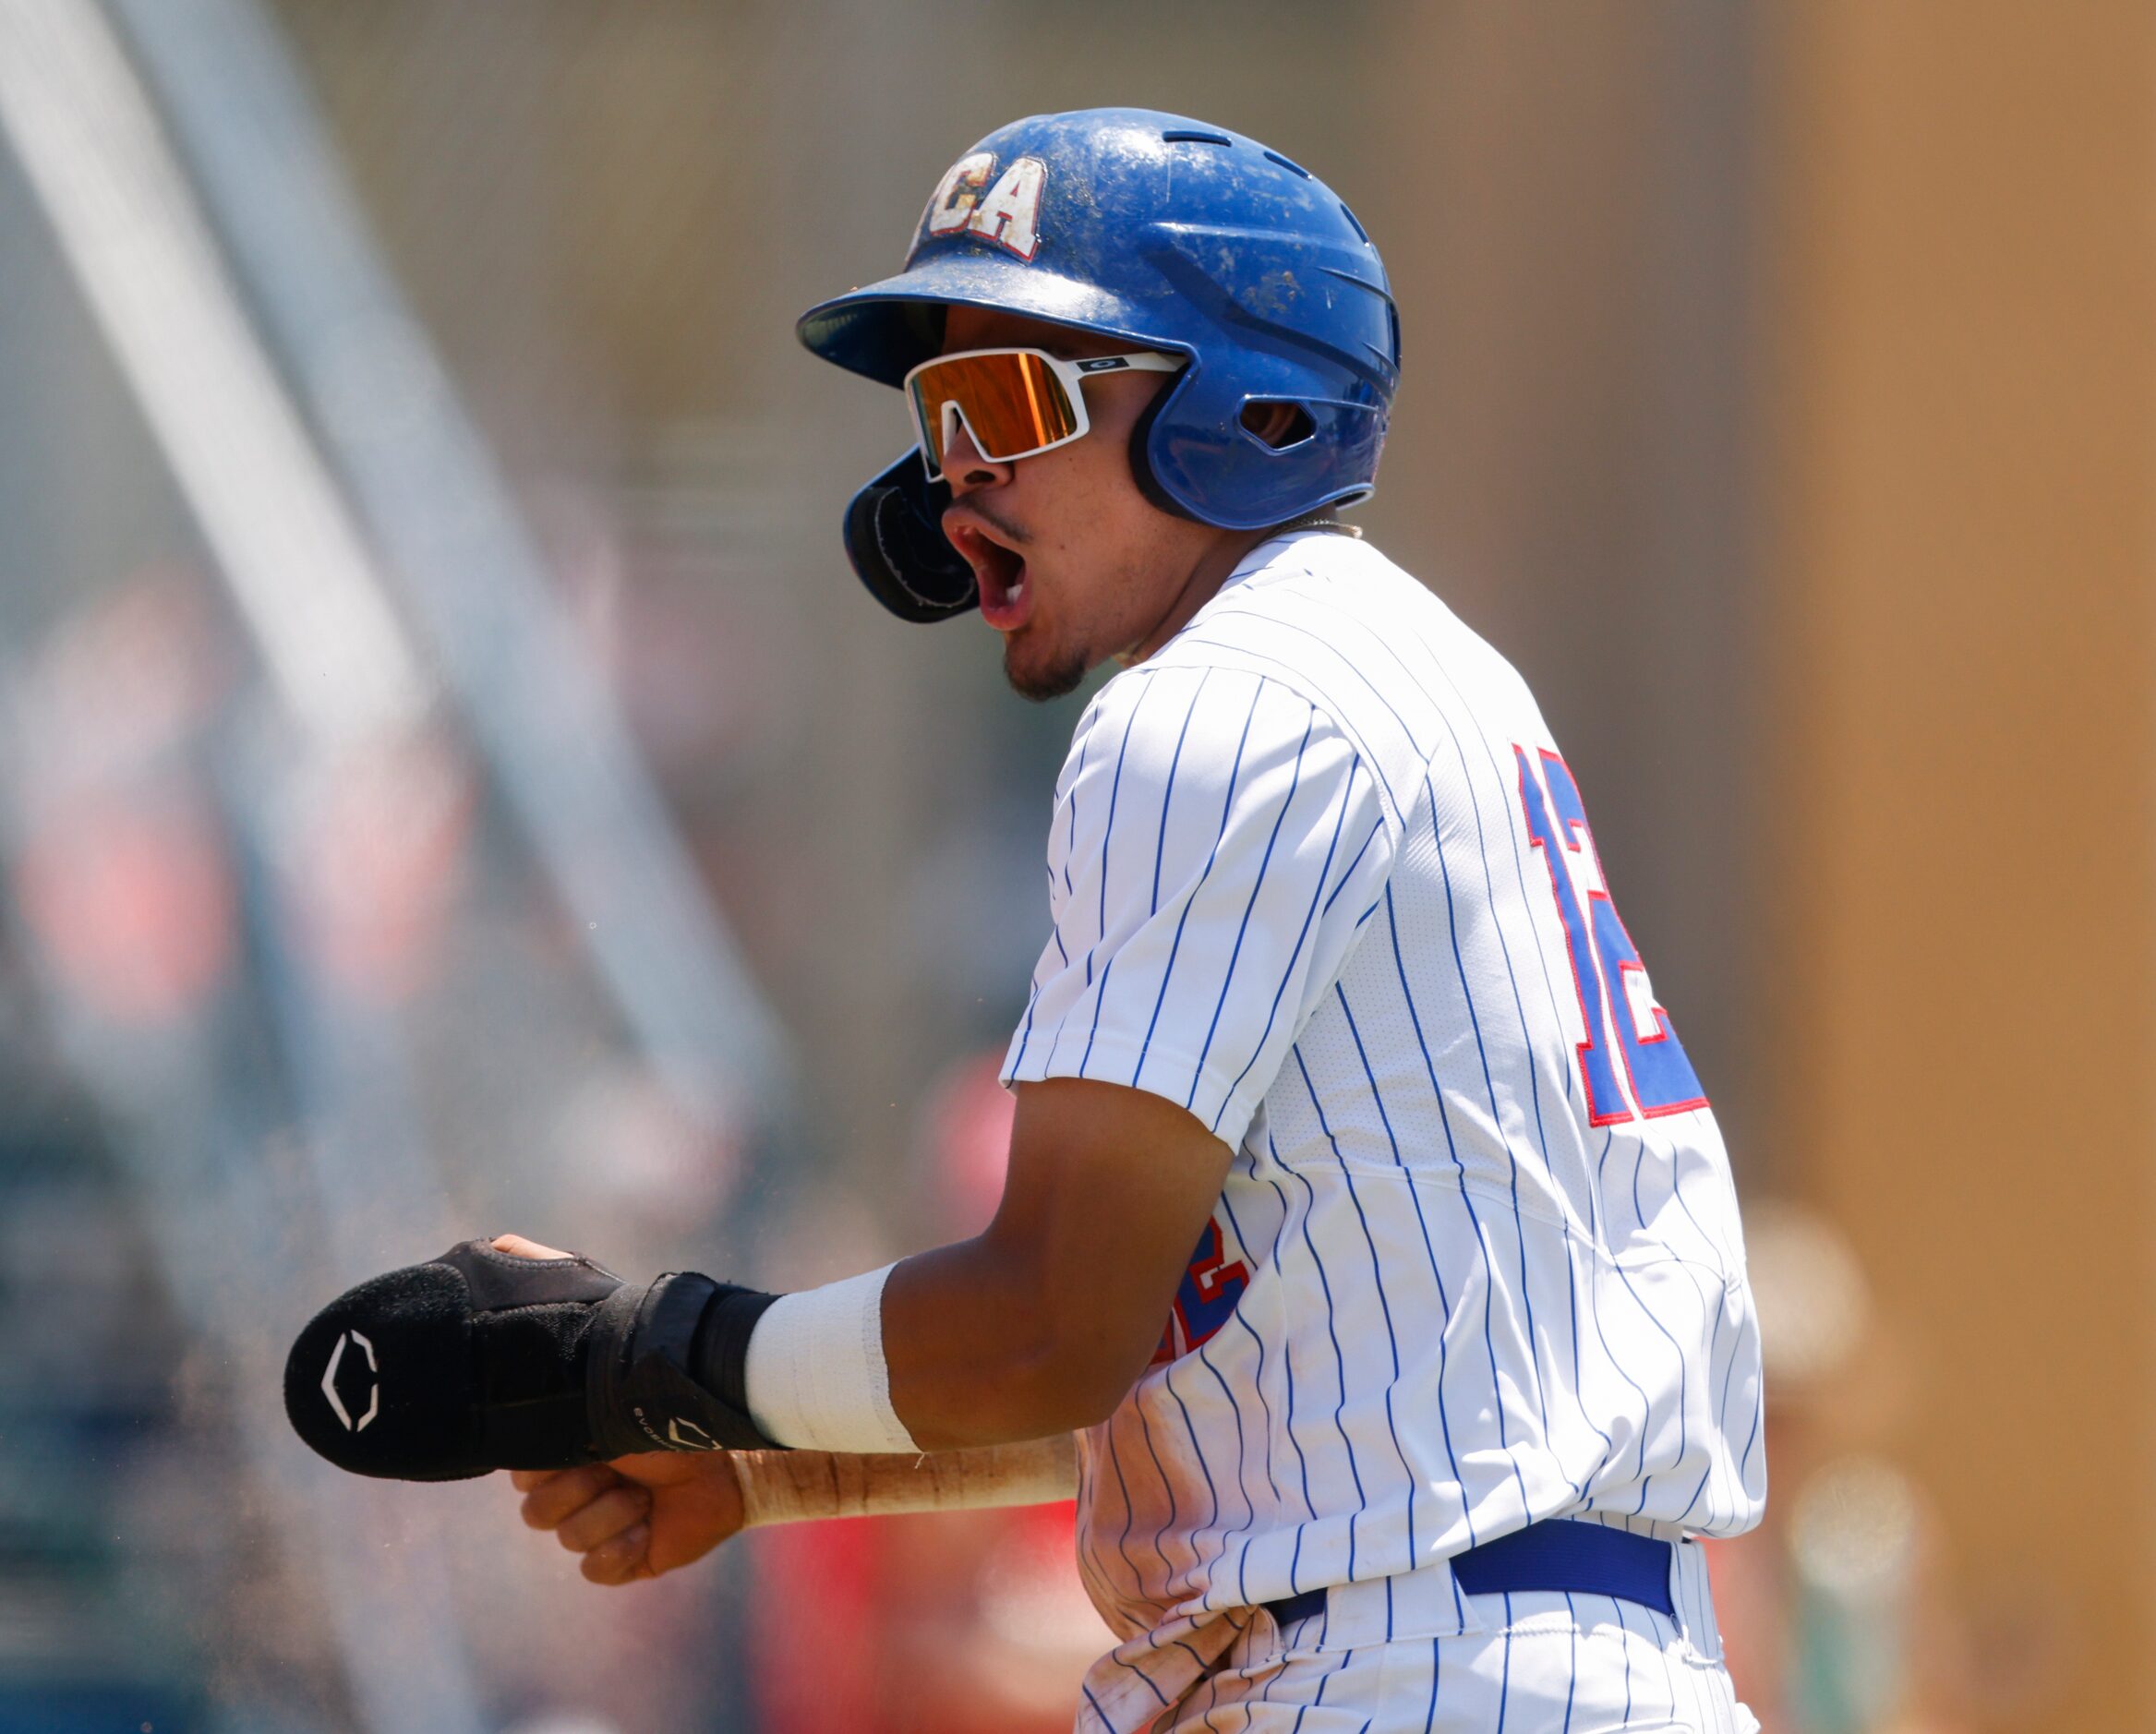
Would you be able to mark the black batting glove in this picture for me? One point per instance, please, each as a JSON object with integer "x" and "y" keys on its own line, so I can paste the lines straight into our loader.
{"x": 481, "y": 1360}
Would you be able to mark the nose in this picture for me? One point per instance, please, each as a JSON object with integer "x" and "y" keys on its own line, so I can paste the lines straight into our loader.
{"x": 964, "y": 467}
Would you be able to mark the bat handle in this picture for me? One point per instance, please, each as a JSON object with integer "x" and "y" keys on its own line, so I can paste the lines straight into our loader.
{"x": 797, "y": 1487}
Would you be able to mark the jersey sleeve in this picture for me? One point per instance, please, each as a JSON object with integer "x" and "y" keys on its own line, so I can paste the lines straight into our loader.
{"x": 1217, "y": 844}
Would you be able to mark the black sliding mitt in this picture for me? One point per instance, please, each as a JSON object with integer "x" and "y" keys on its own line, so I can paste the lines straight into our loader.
{"x": 895, "y": 538}
{"x": 480, "y": 1360}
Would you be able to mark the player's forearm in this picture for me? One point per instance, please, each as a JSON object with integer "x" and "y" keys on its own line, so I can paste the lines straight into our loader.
{"x": 510, "y": 1354}
{"x": 1041, "y": 1323}
{"x": 984, "y": 1347}
{"x": 797, "y": 1487}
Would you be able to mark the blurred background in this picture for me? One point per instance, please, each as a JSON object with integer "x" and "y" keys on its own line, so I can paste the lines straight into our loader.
{"x": 451, "y": 782}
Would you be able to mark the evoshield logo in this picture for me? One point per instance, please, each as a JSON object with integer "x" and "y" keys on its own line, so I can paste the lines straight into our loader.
{"x": 680, "y": 1436}
{"x": 373, "y": 1381}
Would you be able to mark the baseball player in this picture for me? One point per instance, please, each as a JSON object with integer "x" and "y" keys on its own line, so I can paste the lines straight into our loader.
{"x": 1363, "y": 1214}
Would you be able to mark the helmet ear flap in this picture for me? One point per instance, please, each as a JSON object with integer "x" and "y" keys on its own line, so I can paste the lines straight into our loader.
{"x": 1202, "y": 458}
{"x": 1142, "y": 462}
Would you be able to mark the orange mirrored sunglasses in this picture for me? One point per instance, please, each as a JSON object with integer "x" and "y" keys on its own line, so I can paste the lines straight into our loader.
{"x": 1014, "y": 402}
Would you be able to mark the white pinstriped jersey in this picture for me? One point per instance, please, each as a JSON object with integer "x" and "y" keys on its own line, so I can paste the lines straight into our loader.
{"x": 1318, "y": 874}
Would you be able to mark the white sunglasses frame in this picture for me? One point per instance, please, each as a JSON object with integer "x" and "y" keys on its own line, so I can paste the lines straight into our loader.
{"x": 1072, "y": 373}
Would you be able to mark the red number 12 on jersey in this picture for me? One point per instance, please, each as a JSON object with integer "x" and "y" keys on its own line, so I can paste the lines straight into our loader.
{"x": 1657, "y": 1077}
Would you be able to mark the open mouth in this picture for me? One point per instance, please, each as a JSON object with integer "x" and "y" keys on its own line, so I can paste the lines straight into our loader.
{"x": 1007, "y": 599}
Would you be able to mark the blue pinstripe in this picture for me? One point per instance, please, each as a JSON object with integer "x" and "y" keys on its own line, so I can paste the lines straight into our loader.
{"x": 1033, "y": 999}
{"x": 1287, "y": 1356}
{"x": 1709, "y": 1303}
{"x": 1422, "y": 1221}
{"x": 1617, "y": 1608}
{"x": 1751, "y": 1436}
{"x": 1347, "y": 875}
{"x": 1505, "y": 1680}
{"x": 1242, "y": 1585}
{"x": 1259, "y": 1343}
{"x": 1683, "y": 1365}
{"x": 1571, "y": 1662}
{"x": 1377, "y": 1274}
{"x": 1167, "y": 1487}
{"x": 1133, "y": 1667}
{"x": 1595, "y": 1310}
{"x": 1085, "y": 749}
{"x": 1175, "y": 947}
{"x": 1340, "y": 1360}
{"x": 1303, "y": 934}
{"x": 1129, "y": 1513}
{"x": 1668, "y": 1679}
{"x": 1571, "y": 1277}
{"x": 1257, "y": 885}
{"x": 1108, "y": 843}
{"x": 1198, "y": 1449}
{"x": 1168, "y": 796}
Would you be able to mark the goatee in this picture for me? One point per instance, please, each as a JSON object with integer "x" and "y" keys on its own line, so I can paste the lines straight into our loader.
{"x": 1056, "y": 681}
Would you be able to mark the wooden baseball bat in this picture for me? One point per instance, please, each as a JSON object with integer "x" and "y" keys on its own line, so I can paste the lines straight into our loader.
{"x": 796, "y": 1486}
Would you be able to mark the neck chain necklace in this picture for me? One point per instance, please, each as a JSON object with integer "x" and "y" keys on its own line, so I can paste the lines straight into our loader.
{"x": 1321, "y": 519}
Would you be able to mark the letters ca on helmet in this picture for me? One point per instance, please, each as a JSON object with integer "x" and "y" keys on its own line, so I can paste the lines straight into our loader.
{"x": 971, "y": 198}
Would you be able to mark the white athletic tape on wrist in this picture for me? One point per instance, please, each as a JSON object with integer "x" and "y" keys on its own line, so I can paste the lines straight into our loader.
{"x": 816, "y": 1374}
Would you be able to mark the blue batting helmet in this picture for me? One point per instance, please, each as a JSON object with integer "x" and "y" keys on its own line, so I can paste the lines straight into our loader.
{"x": 1174, "y": 236}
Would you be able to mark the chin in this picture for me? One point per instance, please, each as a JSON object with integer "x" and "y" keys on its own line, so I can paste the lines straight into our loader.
{"x": 1042, "y": 677}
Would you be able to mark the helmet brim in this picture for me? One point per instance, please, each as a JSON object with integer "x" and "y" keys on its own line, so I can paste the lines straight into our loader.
{"x": 885, "y": 330}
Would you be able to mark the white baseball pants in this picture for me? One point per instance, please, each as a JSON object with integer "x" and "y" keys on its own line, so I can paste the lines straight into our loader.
{"x": 1544, "y": 1662}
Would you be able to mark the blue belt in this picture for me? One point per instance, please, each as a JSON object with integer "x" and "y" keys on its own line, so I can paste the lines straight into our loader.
{"x": 1556, "y": 1554}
